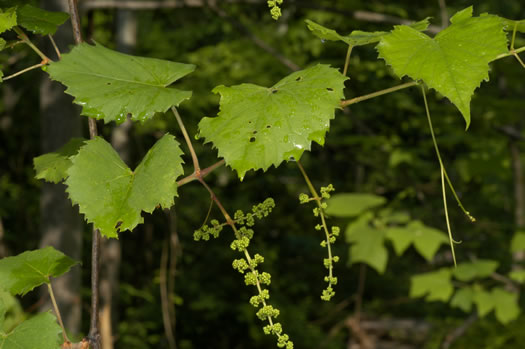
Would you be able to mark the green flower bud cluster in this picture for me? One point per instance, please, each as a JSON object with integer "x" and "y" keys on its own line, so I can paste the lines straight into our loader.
{"x": 331, "y": 236}
{"x": 205, "y": 232}
{"x": 258, "y": 211}
{"x": 275, "y": 10}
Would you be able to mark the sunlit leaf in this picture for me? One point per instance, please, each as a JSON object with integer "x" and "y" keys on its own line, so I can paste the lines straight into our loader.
{"x": 434, "y": 286}
{"x": 477, "y": 269}
{"x": 110, "y": 85}
{"x": 22, "y": 273}
{"x": 352, "y": 204}
{"x": 111, "y": 195}
{"x": 483, "y": 301}
{"x": 258, "y": 127}
{"x": 7, "y": 19}
{"x": 41, "y": 331}
{"x": 454, "y": 62}
{"x": 518, "y": 242}
{"x": 426, "y": 240}
{"x": 506, "y": 305}
{"x": 40, "y": 21}
{"x": 510, "y": 24}
{"x": 518, "y": 275}
{"x": 463, "y": 299}
{"x": 367, "y": 244}
{"x": 53, "y": 167}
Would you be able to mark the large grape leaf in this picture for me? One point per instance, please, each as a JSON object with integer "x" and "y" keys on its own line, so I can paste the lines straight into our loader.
{"x": 111, "y": 195}
{"x": 41, "y": 331}
{"x": 426, "y": 240}
{"x": 258, "y": 126}
{"x": 22, "y": 273}
{"x": 40, "y": 21}
{"x": 352, "y": 204}
{"x": 109, "y": 84}
{"x": 435, "y": 286}
{"x": 356, "y": 37}
{"x": 7, "y": 19}
{"x": 454, "y": 62}
{"x": 53, "y": 167}
{"x": 478, "y": 269}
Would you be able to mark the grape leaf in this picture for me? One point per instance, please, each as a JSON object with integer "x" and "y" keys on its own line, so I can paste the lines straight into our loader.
{"x": 505, "y": 305}
{"x": 352, "y": 204}
{"x": 110, "y": 195}
{"x": 53, "y": 167}
{"x": 518, "y": 242}
{"x": 40, "y": 21}
{"x": 7, "y": 19}
{"x": 483, "y": 300}
{"x": 11, "y": 312}
{"x": 41, "y": 331}
{"x": 109, "y": 84}
{"x": 477, "y": 269}
{"x": 454, "y": 62}
{"x": 463, "y": 299}
{"x": 367, "y": 243}
{"x": 436, "y": 285}
{"x": 22, "y": 273}
{"x": 509, "y": 25}
{"x": 518, "y": 275}
{"x": 426, "y": 240}
{"x": 258, "y": 127}
{"x": 356, "y": 37}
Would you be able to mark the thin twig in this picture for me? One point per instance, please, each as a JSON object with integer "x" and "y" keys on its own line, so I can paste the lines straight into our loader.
{"x": 194, "y": 158}
{"x": 24, "y": 70}
{"x": 360, "y": 292}
{"x": 54, "y": 46}
{"x": 377, "y": 93}
{"x": 444, "y": 13}
{"x": 459, "y": 331}
{"x": 203, "y": 173}
{"x": 57, "y": 312}
{"x": 25, "y": 39}
{"x": 164, "y": 297}
{"x": 347, "y": 59}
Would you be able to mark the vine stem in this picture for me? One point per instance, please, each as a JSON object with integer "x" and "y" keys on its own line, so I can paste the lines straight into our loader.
{"x": 347, "y": 59}
{"x": 93, "y": 336}
{"x": 317, "y": 199}
{"x": 188, "y": 141}
{"x": 25, "y": 39}
{"x": 24, "y": 70}
{"x": 203, "y": 173}
{"x": 443, "y": 173}
{"x": 54, "y": 46}
{"x": 57, "y": 312}
{"x": 377, "y": 93}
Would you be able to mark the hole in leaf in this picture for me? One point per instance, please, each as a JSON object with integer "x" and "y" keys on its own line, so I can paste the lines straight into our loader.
{"x": 274, "y": 91}
{"x": 254, "y": 132}
{"x": 252, "y": 139}
{"x": 299, "y": 79}
{"x": 330, "y": 89}
{"x": 108, "y": 83}
{"x": 268, "y": 126}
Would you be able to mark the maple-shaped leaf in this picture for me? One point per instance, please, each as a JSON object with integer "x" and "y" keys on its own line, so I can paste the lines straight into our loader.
{"x": 40, "y": 21}
{"x": 426, "y": 240}
{"x": 463, "y": 299}
{"x": 478, "y": 269}
{"x": 22, "y": 273}
{"x": 41, "y": 331}
{"x": 506, "y": 305}
{"x": 483, "y": 300}
{"x": 454, "y": 62}
{"x": 53, "y": 167}
{"x": 367, "y": 243}
{"x": 352, "y": 204}
{"x": 435, "y": 286}
{"x": 258, "y": 126}
{"x": 7, "y": 19}
{"x": 356, "y": 37}
{"x": 111, "y": 195}
{"x": 110, "y": 85}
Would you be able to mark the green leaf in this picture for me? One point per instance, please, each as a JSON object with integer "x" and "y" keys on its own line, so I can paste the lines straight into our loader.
{"x": 7, "y": 19}
{"x": 518, "y": 275}
{"x": 111, "y": 195}
{"x": 509, "y": 25}
{"x": 477, "y": 269}
{"x": 22, "y": 273}
{"x": 109, "y": 85}
{"x": 41, "y": 331}
{"x": 11, "y": 313}
{"x": 40, "y": 21}
{"x": 356, "y": 37}
{"x": 53, "y": 167}
{"x": 258, "y": 127}
{"x": 367, "y": 244}
{"x": 426, "y": 240}
{"x": 446, "y": 63}
{"x": 352, "y": 204}
{"x": 518, "y": 242}
{"x": 483, "y": 301}
{"x": 435, "y": 286}
{"x": 463, "y": 299}
{"x": 506, "y": 305}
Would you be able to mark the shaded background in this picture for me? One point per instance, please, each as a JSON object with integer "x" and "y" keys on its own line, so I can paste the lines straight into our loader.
{"x": 380, "y": 146}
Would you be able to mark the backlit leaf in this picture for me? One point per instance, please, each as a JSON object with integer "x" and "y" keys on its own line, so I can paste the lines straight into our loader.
{"x": 367, "y": 244}
{"x": 518, "y": 275}
{"x": 510, "y": 24}
{"x": 518, "y": 242}
{"x": 111, "y": 195}
{"x": 40, "y": 21}
{"x": 454, "y": 62}
{"x": 477, "y": 269}
{"x": 463, "y": 299}
{"x": 435, "y": 286}
{"x": 53, "y": 167}
{"x": 483, "y": 300}
{"x": 41, "y": 331}
{"x": 22, "y": 273}
{"x": 7, "y": 19}
{"x": 109, "y": 84}
{"x": 506, "y": 305}
{"x": 258, "y": 127}
{"x": 352, "y": 204}
{"x": 426, "y": 240}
